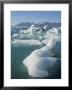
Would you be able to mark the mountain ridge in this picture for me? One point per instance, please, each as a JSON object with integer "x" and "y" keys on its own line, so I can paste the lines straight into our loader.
{"x": 26, "y": 25}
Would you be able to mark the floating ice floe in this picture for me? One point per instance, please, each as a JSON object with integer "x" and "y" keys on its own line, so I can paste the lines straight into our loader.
{"x": 26, "y": 42}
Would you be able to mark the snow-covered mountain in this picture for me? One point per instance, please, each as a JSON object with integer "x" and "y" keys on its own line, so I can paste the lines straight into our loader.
{"x": 42, "y": 25}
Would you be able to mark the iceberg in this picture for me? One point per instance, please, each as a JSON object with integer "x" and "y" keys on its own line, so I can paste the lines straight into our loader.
{"x": 18, "y": 42}
{"x": 39, "y": 61}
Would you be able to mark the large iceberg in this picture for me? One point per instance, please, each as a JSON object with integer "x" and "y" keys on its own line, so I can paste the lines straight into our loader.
{"x": 39, "y": 61}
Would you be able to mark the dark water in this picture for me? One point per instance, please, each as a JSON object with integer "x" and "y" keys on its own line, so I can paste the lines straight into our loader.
{"x": 19, "y": 71}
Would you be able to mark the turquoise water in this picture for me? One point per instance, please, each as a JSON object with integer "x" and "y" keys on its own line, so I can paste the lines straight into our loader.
{"x": 19, "y": 71}
{"x": 18, "y": 54}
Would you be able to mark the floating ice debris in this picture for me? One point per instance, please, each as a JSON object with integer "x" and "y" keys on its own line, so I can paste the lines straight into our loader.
{"x": 26, "y": 42}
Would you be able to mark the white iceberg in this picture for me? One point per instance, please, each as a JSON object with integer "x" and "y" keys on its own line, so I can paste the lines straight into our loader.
{"x": 40, "y": 60}
{"x": 18, "y": 42}
{"x": 15, "y": 35}
{"x": 28, "y": 31}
